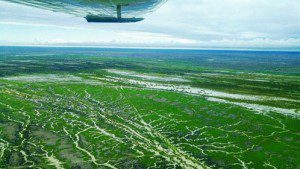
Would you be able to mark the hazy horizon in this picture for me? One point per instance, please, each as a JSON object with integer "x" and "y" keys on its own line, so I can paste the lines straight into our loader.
{"x": 159, "y": 48}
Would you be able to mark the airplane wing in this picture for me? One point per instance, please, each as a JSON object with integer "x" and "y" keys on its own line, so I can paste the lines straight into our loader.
{"x": 122, "y": 11}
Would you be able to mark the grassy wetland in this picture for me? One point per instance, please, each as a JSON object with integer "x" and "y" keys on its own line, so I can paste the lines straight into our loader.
{"x": 138, "y": 108}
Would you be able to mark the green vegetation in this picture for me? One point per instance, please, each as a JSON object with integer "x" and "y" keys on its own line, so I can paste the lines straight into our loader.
{"x": 114, "y": 109}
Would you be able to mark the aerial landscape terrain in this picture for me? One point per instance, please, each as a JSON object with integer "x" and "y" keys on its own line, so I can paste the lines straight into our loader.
{"x": 148, "y": 108}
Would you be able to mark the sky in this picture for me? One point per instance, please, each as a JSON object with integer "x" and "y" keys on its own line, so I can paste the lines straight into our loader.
{"x": 213, "y": 24}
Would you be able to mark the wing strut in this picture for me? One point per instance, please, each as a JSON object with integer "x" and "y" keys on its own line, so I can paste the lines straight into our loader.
{"x": 119, "y": 12}
{"x": 105, "y": 19}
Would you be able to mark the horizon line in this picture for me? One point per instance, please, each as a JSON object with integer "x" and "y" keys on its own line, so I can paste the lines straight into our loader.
{"x": 160, "y": 48}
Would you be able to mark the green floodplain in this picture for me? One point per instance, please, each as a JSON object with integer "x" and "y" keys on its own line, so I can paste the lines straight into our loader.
{"x": 138, "y": 108}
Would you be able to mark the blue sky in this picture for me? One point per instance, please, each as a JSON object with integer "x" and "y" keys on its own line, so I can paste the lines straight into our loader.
{"x": 247, "y": 24}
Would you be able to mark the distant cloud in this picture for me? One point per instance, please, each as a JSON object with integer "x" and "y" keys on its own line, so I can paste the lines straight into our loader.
{"x": 40, "y": 25}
